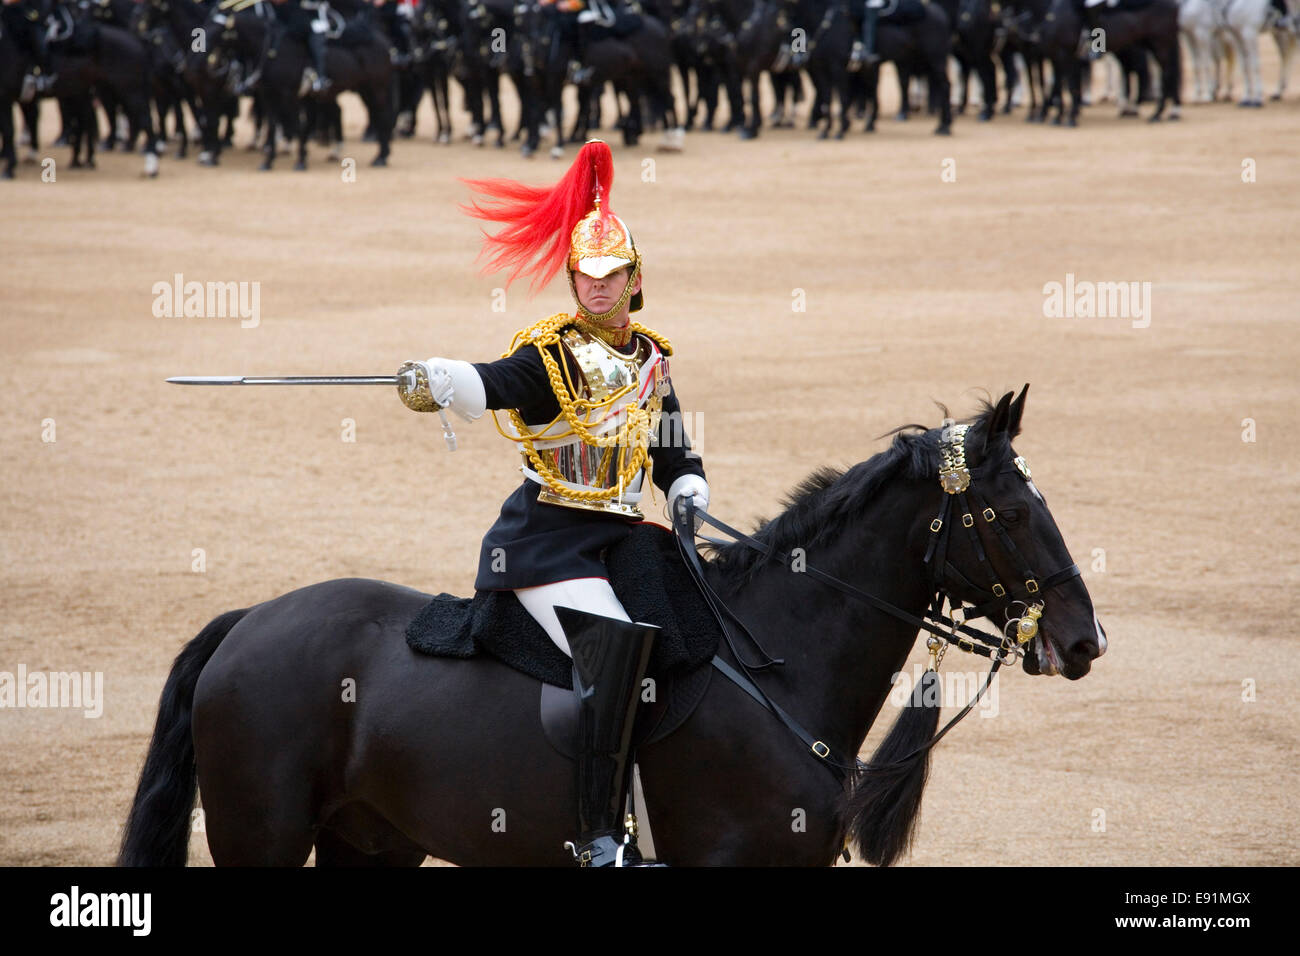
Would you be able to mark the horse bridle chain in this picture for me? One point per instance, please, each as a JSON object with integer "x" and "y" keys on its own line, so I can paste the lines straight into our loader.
{"x": 955, "y": 479}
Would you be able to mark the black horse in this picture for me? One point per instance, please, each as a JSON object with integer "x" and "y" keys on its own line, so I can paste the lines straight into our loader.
{"x": 17, "y": 41}
{"x": 1153, "y": 27}
{"x": 917, "y": 39}
{"x": 1023, "y": 22}
{"x": 974, "y": 40}
{"x": 117, "y": 67}
{"x": 431, "y": 751}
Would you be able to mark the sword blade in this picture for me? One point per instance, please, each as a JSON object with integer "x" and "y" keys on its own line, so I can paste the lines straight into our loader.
{"x": 283, "y": 380}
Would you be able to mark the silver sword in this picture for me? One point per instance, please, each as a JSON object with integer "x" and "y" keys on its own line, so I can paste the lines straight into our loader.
{"x": 447, "y": 432}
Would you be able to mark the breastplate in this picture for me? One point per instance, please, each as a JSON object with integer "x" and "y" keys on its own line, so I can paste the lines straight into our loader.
{"x": 601, "y": 374}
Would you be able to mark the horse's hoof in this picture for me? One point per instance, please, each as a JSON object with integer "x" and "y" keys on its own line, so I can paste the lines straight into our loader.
{"x": 824, "y": 134}
{"x": 943, "y": 131}
{"x": 985, "y": 116}
{"x": 6, "y": 174}
{"x": 300, "y": 166}
{"x": 1154, "y": 119}
{"x": 557, "y": 152}
{"x": 747, "y": 133}
{"x": 444, "y": 138}
{"x": 151, "y": 165}
{"x": 75, "y": 164}
{"x": 378, "y": 161}
{"x": 1056, "y": 121}
{"x": 265, "y": 167}
{"x": 1072, "y": 122}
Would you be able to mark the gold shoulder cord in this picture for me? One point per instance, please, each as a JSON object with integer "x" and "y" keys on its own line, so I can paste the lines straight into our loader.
{"x": 583, "y": 414}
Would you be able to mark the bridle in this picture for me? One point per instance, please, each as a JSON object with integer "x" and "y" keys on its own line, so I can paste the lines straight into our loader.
{"x": 955, "y": 477}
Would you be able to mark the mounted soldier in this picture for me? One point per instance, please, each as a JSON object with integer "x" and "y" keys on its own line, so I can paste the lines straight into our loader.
{"x": 307, "y": 21}
{"x": 585, "y": 395}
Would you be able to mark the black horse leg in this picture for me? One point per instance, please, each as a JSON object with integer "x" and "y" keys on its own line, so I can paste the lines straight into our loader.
{"x": 8, "y": 153}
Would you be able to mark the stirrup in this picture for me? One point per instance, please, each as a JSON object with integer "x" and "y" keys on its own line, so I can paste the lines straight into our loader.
{"x": 604, "y": 850}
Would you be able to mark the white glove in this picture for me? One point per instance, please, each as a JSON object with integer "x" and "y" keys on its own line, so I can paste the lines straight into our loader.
{"x": 456, "y": 385}
{"x": 688, "y": 486}
{"x": 440, "y": 386}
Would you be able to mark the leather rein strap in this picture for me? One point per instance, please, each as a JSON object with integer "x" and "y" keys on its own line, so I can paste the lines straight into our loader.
{"x": 957, "y": 631}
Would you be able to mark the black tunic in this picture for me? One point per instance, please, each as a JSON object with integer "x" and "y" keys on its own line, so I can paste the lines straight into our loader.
{"x": 534, "y": 543}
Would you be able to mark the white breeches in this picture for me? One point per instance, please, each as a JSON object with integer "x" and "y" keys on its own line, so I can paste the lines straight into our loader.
{"x": 593, "y": 595}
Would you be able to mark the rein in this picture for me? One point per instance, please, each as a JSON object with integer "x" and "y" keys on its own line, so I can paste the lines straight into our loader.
{"x": 955, "y": 478}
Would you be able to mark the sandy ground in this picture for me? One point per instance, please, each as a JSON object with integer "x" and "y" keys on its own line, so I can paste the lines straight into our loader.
{"x": 917, "y": 290}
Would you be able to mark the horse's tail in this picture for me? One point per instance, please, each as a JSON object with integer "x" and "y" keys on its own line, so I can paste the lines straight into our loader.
{"x": 883, "y": 808}
{"x": 158, "y": 828}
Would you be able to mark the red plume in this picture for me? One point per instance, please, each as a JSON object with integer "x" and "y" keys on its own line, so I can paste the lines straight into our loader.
{"x": 539, "y": 220}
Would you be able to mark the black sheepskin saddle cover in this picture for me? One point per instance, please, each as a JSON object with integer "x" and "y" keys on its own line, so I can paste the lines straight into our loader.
{"x": 648, "y": 576}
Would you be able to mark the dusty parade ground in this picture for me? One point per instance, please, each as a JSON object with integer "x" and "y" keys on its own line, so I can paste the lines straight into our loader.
{"x": 134, "y": 511}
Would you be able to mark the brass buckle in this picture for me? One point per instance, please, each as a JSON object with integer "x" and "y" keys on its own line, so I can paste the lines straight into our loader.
{"x": 1031, "y": 586}
{"x": 936, "y": 524}
{"x": 967, "y": 520}
{"x": 958, "y": 616}
{"x": 999, "y": 591}
{"x": 988, "y": 514}
{"x": 824, "y": 752}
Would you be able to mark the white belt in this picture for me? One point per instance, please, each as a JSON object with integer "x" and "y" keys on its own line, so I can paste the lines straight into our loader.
{"x": 631, "y": 494}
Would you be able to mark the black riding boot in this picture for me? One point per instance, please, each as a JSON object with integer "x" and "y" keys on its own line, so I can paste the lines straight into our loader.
{"x": 316, "y": 42}
{"x": 869, "y": 55}
{"x": 610, "y": 658}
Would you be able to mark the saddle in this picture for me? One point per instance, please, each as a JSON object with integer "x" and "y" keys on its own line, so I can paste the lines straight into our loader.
{"x": 653, "y": 585}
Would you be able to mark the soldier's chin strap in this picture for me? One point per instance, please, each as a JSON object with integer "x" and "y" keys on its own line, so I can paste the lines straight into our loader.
{"x": 597, "y": 318}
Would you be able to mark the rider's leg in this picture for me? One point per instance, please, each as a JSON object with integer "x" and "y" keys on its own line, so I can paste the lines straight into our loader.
{"x": 586, "y": 594}
{"x": 316, "y": 43}
{"x": 869, "y": 19}
{"x": 611, "y": 654}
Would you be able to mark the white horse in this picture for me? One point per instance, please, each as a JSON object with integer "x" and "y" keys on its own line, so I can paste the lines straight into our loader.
{"x": 1199, "y": 24}
{"x": 1243, "y": 21}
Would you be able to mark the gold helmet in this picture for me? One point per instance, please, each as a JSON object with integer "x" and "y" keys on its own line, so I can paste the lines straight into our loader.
{"x": 598, "y": 246}
{"x": 547, "y": 227}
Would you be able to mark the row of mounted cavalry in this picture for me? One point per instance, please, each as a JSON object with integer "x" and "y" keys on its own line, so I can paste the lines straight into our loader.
{"x": 672, "y": 64}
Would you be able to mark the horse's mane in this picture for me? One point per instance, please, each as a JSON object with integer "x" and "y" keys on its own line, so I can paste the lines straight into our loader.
{"x": 831, "y": 499}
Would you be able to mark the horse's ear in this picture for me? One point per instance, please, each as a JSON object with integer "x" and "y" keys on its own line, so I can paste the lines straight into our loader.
{"x": 997, "y": 421}
{"x": 1017, "y": 410}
